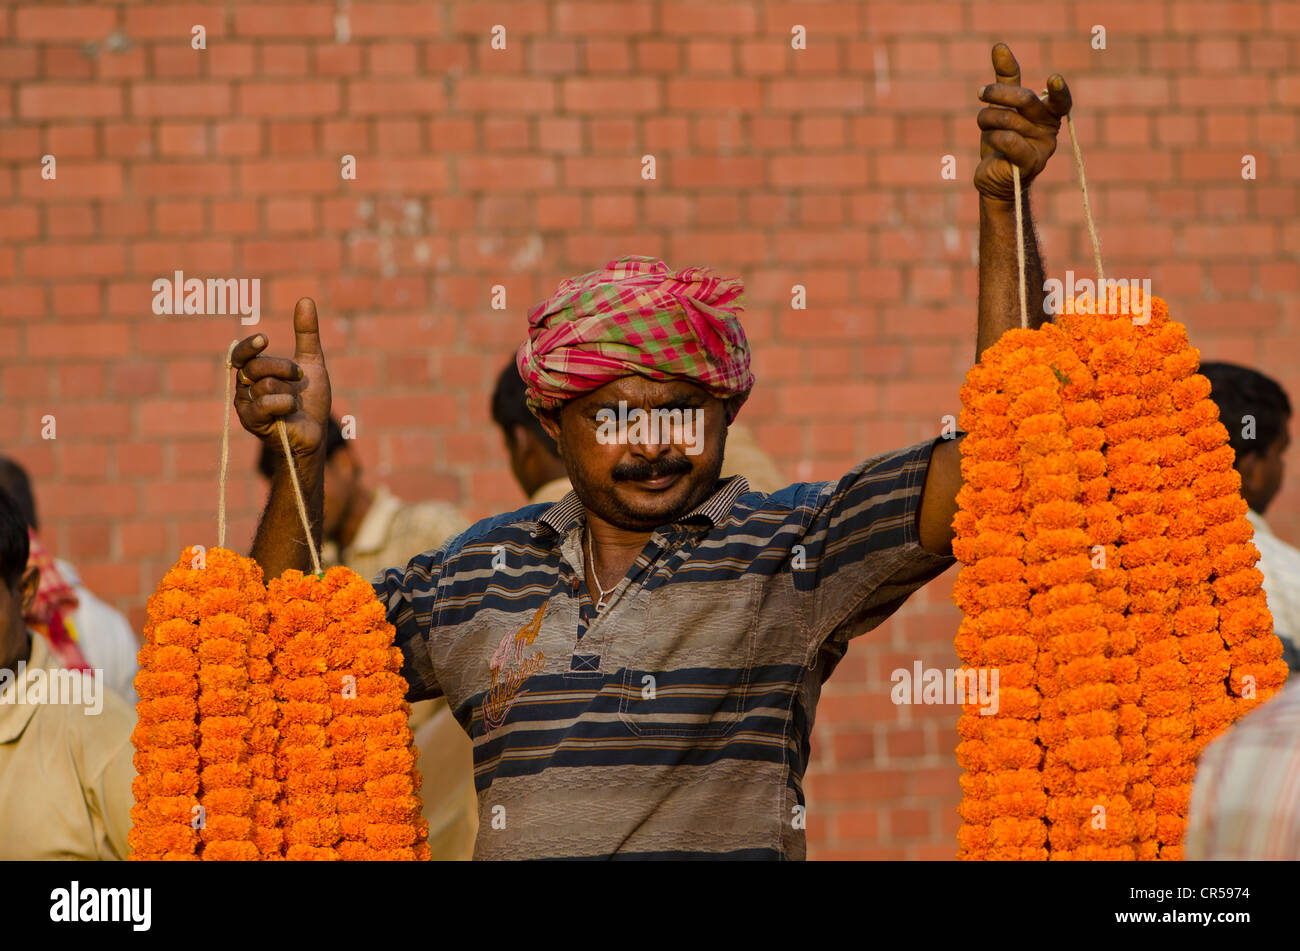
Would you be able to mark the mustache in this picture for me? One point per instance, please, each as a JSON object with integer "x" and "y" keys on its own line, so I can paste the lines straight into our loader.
{"x": 640, "y": 470}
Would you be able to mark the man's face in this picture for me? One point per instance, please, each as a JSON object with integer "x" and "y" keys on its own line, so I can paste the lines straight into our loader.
{"x": 630, "y": 475}
{"x": 341, "y": 477}
{"x": 1261, "y": 476}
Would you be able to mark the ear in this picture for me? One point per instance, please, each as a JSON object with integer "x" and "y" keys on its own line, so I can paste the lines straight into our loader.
{"x": 345, "y": 462}
{"x": 28, "y": 584}
{"x": 1249, "y": 464}
{"x": 551, "y": 423}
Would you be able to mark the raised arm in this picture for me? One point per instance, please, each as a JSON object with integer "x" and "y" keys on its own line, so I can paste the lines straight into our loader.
{"x": 298, "y": 391}
{"x": 1016, "y": 128}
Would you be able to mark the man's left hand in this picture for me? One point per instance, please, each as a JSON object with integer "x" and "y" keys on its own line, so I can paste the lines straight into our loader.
{"x": 1018, "y": 127}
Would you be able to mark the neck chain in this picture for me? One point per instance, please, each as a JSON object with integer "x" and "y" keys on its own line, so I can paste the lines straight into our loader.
{"x": 595, "y": 575}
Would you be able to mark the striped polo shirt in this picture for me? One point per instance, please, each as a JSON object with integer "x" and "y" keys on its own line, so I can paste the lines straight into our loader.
{"x": 676, "y": 723}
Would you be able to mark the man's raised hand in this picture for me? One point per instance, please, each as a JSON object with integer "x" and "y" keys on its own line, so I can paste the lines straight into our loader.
{"x": 268, "y": 389}
{"x": 1017, "y": 127}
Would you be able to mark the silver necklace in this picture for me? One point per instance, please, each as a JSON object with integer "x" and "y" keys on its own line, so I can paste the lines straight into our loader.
{"x": 595, "y": 576}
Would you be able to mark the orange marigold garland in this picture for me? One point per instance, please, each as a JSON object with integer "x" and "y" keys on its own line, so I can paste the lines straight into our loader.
{"x": 226, "y": 776}
{"x": 304, "y": 760}
{"x": 165, "y": 737}
{"x": 1003, "y": 799}
{"x": 264, "y": 731}
{"x": 290, "y": 701}
{"x": 1107, "y": 504}
{"x": 272, "y": 721}
{"x": 379, "y": 811}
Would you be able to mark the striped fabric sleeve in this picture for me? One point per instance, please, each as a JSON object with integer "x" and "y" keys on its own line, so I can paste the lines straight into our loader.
{"x": 408, "y": 594}
{"x": 865, "y": 542}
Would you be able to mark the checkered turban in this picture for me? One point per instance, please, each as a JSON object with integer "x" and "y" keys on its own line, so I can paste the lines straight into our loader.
{"x": 636, "y": 315}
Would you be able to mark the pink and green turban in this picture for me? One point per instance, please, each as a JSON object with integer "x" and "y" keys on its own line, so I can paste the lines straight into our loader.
{"x": 636, "y": 315}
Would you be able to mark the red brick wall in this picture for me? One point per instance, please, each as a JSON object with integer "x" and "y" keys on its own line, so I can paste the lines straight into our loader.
{"x": 521, "y": 166}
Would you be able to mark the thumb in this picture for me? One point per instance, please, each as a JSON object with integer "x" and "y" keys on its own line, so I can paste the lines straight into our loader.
{"x": 306, "y": 340}
{"x": 1059, "y": 101}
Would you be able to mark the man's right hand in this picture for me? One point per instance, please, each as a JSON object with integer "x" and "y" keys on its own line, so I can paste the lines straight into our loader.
{"x": 297, "y": 391}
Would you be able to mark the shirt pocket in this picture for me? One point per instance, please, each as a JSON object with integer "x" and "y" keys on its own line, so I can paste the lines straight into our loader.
{"x": 688, "y": 672}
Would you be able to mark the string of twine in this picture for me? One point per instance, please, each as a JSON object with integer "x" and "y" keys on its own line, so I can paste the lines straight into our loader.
{"x": 1087, "y": 217}
{"x": 288, "y": 459}
{"x": 225, "y": 449}
{"x": 1087, "y": 206}
{"x": 1020, "y": 248}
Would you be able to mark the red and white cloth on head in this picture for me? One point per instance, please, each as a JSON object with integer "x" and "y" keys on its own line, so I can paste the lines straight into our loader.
{"x": 637, "y": 316}
{"x": 51, "y": 612}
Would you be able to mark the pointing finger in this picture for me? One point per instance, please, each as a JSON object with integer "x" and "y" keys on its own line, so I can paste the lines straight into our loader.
{"x": 1005, "y": 65}
{"x": 306, "y": 329}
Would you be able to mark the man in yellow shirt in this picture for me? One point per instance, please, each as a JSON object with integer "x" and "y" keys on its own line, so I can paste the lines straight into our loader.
{"x": 65, "y": 741}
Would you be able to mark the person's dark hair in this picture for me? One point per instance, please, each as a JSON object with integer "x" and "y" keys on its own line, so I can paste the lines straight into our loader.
{"x": 1241, "y": 392}
{"x": 13, "y": 479}
{"x": 510, "y": 407}
{"x": 334, "y": 441}
{"x": 14, "y": 547}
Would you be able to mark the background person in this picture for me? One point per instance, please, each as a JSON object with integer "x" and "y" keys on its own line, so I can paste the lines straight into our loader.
{"x": 81, "y": 631}
{"x": 65, "y": 776}
{"x": 1240, "y": 393}
{"x": 1245, "y": 801}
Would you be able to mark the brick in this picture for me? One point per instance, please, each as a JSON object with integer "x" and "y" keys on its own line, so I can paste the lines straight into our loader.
{"x": 181, "y": 178}
{"x": 45, "y": 101}
{"x": 22, "y": 144}
{"x": 610, "y": 95}
{"x": 280, "y": 177}
{"x": 294, "y": 21}
{"x": 174, "y": 22}
{"x": 74, "y": 181}
{"x": 135, "y": 538}
{"x": 70, "y": 221}
{"x": 396, "y": 97}
{"x": 1202, "y": 17}
{"x": 714, "y": 18}
{"x": 63, "y": 24}
{"x": 186, "y": 140}
{"x": 485, "y": 94}
{"x": 817, "y": 94}
{"x": 1202, "y": 91}
{"x": 268, "y": 257}
{"x": 817, "y": 169}
{"x": 161, "y": 100}
{"x": 285, "y": 59}
{"x": 893, "y": 18}
{"x": 513, "y": 174}
{"x": 522, "y": 16}
{"x": 53, "y": 260}
{"x": 291, "y": 99}
{"x": 370, "y": 20}
{"x": 709, "y": 95}
{"x": 20, "y": 63}
{"x": 19, "y": 222}
{"x": 338, "y": 60}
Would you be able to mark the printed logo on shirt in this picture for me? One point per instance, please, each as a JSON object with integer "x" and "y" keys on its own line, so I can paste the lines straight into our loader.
{"x": 510, "y": 668}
